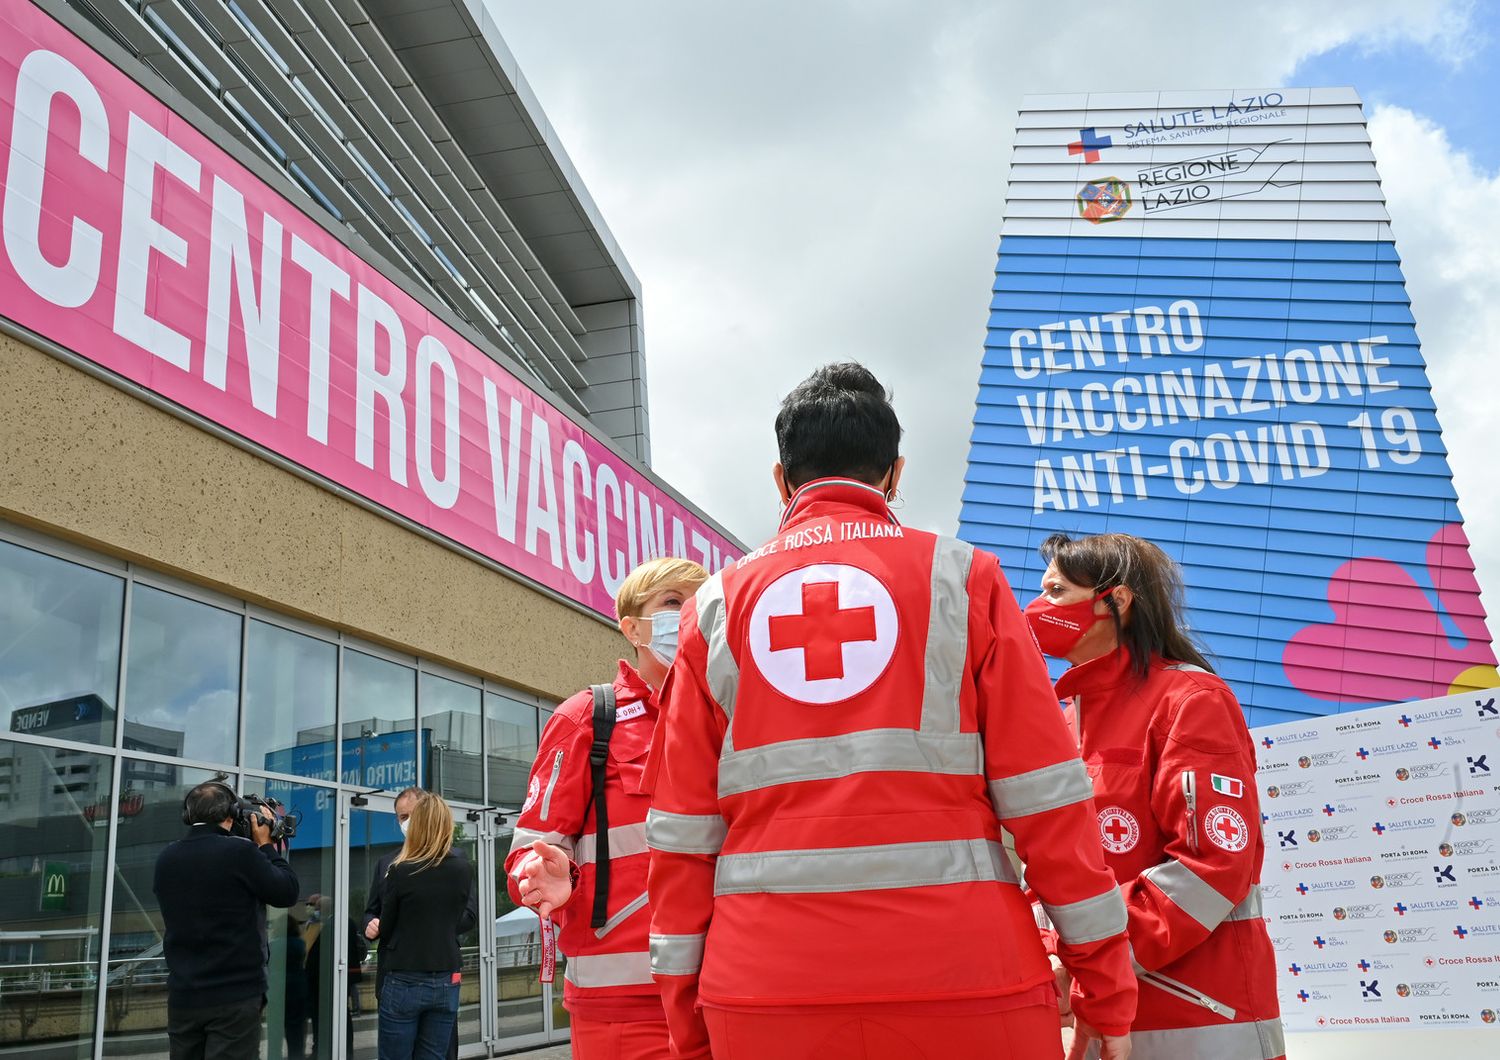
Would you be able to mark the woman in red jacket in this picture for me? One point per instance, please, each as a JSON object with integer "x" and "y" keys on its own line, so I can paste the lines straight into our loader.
{"x": 1173, "y": 768}
{"x": 615, "y": 1006}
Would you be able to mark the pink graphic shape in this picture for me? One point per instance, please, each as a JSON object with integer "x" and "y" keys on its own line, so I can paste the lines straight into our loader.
{"x": 1387, "y": 643}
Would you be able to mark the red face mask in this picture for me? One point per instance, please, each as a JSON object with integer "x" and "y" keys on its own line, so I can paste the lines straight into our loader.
{"x": 1058, "y": 629}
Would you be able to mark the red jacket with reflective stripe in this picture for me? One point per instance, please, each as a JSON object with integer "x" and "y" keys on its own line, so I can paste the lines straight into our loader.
{"x": 1173, "y": 769}
{"x": 846, "y": 703}
{"x": 608, "y": 974}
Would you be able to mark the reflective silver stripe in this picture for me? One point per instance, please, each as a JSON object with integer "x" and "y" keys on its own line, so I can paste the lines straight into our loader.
{"x": 1040, "y": 790}
{"x": 871, "y": 868}
{"x": 1187, "y": 993}
{"x": 624, "y": 840}
{"x": 723, "y": 673}
{"x": 947, "y": 635}
{"x": 1249, "y": 907}
{"x": 1189, "y": 893}
{"x": 556, "y": 772}
{"x": 609, "y": 969}
{"x": 1090, "y": 920}
{"x": 870, "y": 751}
{"x": 1187, "y": 668}
{"x": 524, "y": 837}
{"x": 683, "y": 833}
{"x": 633, "y": 907}
{"x": 677, "y": 954}
{"x": 1258, "y": 1040}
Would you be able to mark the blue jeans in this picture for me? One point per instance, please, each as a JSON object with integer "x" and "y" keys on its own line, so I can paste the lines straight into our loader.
{"x": 417, "y": 1013}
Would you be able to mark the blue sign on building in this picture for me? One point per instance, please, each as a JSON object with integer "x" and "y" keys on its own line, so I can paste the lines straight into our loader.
{"x": 1200, "y": 334}
{"x": 384, "y": 761}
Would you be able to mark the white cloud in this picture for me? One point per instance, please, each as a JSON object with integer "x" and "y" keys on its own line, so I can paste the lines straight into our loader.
{"x": 797, "y": 183}
{"x": 1450, "y": 250}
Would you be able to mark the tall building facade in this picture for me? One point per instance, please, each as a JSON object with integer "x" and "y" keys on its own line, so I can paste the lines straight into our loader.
{"x": 324, "y": 446}
{"x": 1200, "y": 334}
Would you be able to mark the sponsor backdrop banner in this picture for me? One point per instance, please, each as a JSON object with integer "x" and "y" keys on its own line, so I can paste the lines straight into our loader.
{"x": 132, "y": 240}
{"x": 1200, "y": 334}
{"x": 1382, "y": 875}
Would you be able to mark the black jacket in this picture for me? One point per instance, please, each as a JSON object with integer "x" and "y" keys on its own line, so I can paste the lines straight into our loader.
{"x": 375, "y": 904}
{"x": 425, "y": 910}
{"x": 213, "y": 889}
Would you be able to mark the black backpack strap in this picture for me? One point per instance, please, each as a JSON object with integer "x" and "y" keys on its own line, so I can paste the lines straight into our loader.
{"x": 604, "y": 727}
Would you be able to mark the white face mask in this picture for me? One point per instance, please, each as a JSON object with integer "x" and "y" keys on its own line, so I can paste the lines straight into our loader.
{"x": 403, "y": 824}
{"x": 664, "y": 636}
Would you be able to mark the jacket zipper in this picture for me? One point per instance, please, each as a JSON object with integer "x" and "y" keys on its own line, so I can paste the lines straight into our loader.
{"x": 1190, "y": 794}
{"x": 1187, "y": 993}
{"x": 556, "y": 771}
{"x": 623, "y": 915}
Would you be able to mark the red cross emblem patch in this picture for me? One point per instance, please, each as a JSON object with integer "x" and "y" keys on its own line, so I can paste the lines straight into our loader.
{"x": 823, "y": 633}
{"x": 1226, "y": 828}
{"x": 1119, "y": 830}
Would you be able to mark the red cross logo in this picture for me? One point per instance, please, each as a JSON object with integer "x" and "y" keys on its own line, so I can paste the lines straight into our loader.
{"x": 1226, "y": 828}
{"x": 822, "y": 630}
{"x": 1119, "y": 831}
{"x": 823, "y": 633}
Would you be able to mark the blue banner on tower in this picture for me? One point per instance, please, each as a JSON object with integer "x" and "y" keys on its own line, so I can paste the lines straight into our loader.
{"x": 1200, "y": 334}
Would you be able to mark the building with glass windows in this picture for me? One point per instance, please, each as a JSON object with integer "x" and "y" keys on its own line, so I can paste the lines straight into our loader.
{"x": 323, "y": 450}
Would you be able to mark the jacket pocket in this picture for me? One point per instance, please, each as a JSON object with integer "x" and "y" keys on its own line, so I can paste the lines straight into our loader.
{"x": 556, "y": 772}
{"x": 1187, "y": 993}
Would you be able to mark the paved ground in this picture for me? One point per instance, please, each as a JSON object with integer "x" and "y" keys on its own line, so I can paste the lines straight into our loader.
{"x": 550, "y": 1052}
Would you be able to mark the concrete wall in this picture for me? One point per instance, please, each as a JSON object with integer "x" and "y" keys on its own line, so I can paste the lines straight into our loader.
{"x": 87, "y": 462}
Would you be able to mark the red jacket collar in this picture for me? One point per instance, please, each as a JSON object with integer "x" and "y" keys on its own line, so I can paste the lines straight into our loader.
{"x": 818, "y": 497}
{"x": 1099, "y": 675}
{"x": 631, "y": 687}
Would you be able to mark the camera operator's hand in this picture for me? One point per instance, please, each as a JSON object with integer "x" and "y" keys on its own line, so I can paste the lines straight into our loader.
{"x": 260, "y": 830}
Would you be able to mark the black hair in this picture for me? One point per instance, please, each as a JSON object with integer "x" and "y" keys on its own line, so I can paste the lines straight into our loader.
{"x": 209, "y": 803}
{"x": 1155, "y": 626}
{"x": 837, "y": 422}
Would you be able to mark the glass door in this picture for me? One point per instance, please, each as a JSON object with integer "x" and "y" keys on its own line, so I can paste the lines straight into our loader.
{"x": 521, "y": 1002}
{"x": 368, "y": 839}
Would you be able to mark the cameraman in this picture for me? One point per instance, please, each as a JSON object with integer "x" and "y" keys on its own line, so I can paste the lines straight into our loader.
{"x": 213, "y": 887}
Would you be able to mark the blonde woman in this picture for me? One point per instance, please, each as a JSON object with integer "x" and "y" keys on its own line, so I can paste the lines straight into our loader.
{"x": 426, "y": 894}
{"x": 556, "y": 861}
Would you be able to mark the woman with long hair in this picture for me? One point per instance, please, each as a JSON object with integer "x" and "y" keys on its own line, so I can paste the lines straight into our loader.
{"x": 1173, "y": 769}
{"x": 426, "y": 892}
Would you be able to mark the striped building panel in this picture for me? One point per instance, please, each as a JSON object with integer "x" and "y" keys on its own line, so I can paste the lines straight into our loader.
{"x": 1200, "y": 333}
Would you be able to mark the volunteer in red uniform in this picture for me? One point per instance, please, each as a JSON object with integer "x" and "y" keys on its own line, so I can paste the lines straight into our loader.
{"x": 855, "y": 711}
{"x": 615, "y": 1006}
{"x": 1173, "y": 770}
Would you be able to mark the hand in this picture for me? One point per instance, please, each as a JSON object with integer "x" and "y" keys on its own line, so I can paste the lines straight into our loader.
{"x": 260, "y": 830}
{"x": 544, "y": 880}
{"x": 1112, "y": 1047}
{"x": 372, "y": 929}
{"x": 1064, "y": 992}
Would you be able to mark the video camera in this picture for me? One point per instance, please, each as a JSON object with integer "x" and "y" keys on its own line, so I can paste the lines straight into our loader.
{"x": 269, "y": 813}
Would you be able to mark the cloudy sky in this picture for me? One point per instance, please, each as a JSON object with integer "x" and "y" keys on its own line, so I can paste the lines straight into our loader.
{"x": 799, "y": 182}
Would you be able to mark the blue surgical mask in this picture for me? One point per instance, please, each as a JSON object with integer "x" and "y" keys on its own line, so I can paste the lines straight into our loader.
{"x": 664, "y": 636}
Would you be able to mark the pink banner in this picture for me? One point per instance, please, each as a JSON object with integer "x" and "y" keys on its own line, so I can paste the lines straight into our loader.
{"x": 132, "y": 240}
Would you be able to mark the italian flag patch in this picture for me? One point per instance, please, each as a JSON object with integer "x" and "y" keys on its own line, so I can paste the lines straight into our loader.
{"x": 1229, "y": 786}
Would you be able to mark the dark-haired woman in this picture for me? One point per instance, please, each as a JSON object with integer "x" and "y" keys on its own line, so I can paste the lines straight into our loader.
{"x": 1173, "y": 768}
{"x": 425, "y": 909}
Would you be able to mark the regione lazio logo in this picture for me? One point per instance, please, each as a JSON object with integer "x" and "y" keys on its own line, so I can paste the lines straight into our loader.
{"x": 1226, "y": 828}
{"x": 1119, "y": 829}
{"x": 1104, "y": 200}
{"x": 823, "y": 633}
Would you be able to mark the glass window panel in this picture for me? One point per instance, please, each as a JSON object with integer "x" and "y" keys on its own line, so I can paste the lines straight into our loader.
{"x": 59, "y": 646}
{"x": 54, "y": 818}
{"x": 510, "y": 741}
{"x": 380, "y": 713}
{"x": 518, "y": 953}
{"x": 135, "y": 1012}
{"x": 291, "y": 684}
{"x": 182, "y": 677}
{"x": 450, "y": 734}
{"x": 299, "y": 1002}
